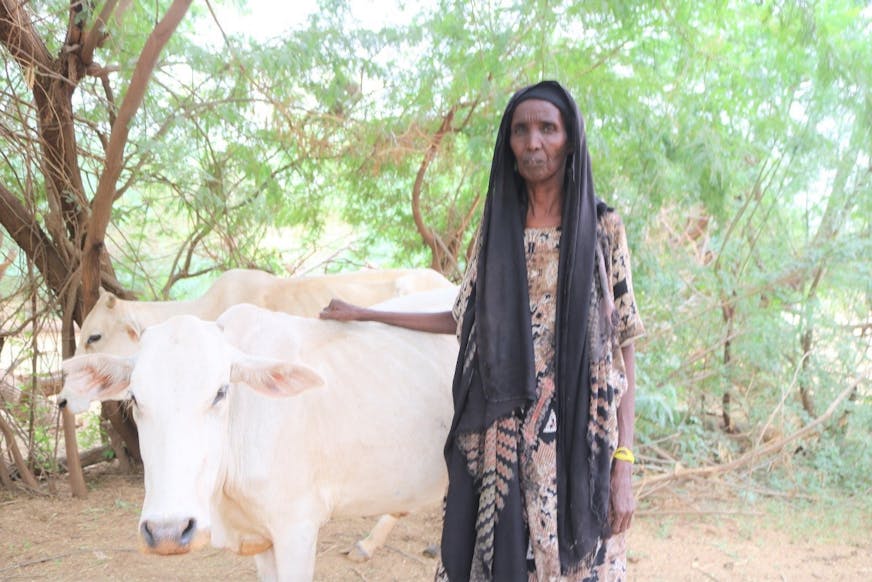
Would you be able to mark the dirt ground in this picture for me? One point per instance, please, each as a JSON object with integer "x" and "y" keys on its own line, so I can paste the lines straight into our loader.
{"x": 56, "y": 537}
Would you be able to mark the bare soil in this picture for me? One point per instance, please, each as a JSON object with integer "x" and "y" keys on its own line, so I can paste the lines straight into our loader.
{"x": 56, "y": 537}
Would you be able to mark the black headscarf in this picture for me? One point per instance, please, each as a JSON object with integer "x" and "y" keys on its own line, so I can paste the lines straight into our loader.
{"x": 495, "y": 375}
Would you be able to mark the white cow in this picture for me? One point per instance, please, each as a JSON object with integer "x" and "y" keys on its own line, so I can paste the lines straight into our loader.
{"x": 113, "y": 326}
{"x": 357, "y": 425}
{"x": 441, "y": 299}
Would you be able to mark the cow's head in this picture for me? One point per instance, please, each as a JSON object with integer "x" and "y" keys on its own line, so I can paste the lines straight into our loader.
{"x": 110, "y": 327}
{"x": 181, "y": 385}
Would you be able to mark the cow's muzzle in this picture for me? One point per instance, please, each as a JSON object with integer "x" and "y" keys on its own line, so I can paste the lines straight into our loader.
{"x": 175, "y": 536}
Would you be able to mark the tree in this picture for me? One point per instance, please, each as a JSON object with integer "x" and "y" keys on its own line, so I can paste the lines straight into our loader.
{"x": 71, "y": 247}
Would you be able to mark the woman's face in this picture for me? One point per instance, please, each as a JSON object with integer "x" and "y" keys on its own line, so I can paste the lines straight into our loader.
{"x": 538, "y": 140}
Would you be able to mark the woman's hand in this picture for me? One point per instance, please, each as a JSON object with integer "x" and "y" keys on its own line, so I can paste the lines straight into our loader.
{"x": 622, "y": 504}
{"x": 342, "y": 311}
{"x": 431, "y": 322}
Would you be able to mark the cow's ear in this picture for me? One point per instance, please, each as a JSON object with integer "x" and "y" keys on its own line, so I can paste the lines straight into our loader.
{"x": 110, "y": 298}
{"x": 130, "y": 324}
{"x": 133, "y": 329}
{"x": 274, "y": 377}
{"x": 94, "y": 377}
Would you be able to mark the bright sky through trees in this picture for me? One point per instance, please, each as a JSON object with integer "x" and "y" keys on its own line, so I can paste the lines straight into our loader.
{"x": 262, "y": 19}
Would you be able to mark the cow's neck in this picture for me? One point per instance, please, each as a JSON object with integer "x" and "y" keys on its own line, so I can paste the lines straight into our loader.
{"x": 255, "y": 427}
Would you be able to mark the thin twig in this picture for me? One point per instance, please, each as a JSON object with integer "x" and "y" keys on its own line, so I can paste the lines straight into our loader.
{"x": 784, "y": 394}
{"x": 696, "y": 512}
{"x": 38, "y": 561}
{"x": 406, "y": 554}
{"x": 65, "y": 555}
{"x": 706, "y": 574}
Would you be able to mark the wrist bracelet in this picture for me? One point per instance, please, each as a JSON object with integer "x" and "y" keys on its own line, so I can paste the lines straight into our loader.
{"x": 624, "y": 454}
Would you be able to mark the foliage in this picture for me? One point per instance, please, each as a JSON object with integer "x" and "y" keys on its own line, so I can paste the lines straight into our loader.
{"x": 733, "y": 138}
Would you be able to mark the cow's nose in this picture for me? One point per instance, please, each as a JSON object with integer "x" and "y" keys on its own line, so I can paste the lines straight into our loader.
{"x": 169, "y": 536}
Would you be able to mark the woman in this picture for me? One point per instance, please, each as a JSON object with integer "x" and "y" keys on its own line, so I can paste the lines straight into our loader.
{"x": 539, "y": 452}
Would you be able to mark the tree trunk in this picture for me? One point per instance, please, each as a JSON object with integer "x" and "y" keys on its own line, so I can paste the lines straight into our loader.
{"x": 93, "y": 249}
{"x": 73, "y": 245}
{"x": 728, "y": 310}
{"x": 804, "y": 388}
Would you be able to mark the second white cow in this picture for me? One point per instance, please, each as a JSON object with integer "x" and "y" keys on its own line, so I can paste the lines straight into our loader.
{"x": 356, "y": 425}
{"x": 113, "y": 326}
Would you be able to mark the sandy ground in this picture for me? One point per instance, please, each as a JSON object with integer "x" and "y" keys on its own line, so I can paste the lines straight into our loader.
{"x": 56, "y": 537}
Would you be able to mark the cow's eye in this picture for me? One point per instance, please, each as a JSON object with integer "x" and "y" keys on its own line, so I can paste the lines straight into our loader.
{"x": 94, "y": 337}
{"x": 133, "y": 399}
{"x": 219, "y": 396}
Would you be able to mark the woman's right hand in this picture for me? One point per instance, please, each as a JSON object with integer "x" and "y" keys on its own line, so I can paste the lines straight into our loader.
{"x": 342, "y": 311}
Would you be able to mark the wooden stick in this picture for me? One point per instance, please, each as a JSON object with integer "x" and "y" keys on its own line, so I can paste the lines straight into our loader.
{"x": 74, "y": 471}
{"x": 23, "y": 470}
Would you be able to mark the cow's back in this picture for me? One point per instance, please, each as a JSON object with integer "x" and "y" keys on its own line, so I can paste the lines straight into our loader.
{"x": 117, "y": 323}
{"x": 371, "y": 441}
{"x": 232, "y": 288}
{"x": 307, "y": 296}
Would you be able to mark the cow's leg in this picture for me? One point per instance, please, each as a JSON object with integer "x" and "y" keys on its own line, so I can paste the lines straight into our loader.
{"x": 295, "y": 547}
{"x": 266, "y": 566}
{"x": 364, "y": 549}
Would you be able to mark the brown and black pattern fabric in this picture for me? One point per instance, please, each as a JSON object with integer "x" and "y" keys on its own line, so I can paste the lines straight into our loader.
{"x": 615, "y": 323}
{"x": 529, "y": 449}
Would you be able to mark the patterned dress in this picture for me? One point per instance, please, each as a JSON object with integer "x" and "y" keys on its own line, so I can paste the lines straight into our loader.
{"x": 536, "y": 427}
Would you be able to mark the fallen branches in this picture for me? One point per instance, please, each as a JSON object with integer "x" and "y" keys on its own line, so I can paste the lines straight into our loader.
{"x": 25, "y": 473}
{"x": 650, "y": 484}
{"x": 90, "y": 457}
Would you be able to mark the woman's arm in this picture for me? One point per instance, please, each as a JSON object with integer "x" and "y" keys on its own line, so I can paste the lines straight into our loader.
{"x": 439, "y": 322}
{"x": 623, "y": 504}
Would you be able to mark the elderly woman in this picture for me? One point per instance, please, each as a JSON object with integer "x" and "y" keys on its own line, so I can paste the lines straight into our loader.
{"x": 539, "y": 452}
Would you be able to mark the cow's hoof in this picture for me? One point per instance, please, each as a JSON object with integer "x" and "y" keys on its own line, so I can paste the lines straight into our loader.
{"x": 358, "y": 553}
{"x": 431, "y": 551}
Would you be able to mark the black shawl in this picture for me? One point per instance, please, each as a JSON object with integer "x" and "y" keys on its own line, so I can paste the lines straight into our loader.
{"x": 495, "y": 379}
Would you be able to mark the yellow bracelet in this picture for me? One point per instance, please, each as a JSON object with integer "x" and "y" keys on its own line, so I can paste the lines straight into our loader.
{"x": 624, "y": 454}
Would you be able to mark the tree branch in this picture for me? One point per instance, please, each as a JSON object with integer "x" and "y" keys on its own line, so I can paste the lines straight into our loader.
{"x": 423, "y": 229}
{"x": 94, "y": 36}
{"x": 19, "y": 37}
{"x": 749, "y": 457}
{"x": 35, "y": 243}
{"x": 102, "y": 203}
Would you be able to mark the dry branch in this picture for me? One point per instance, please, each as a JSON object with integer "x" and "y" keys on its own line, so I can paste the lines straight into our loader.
{"x": 24, "y": 228}
{"x": 748, "y": 458}
{"x": 23, "y": 470}
{"x": 90, "y": 457}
